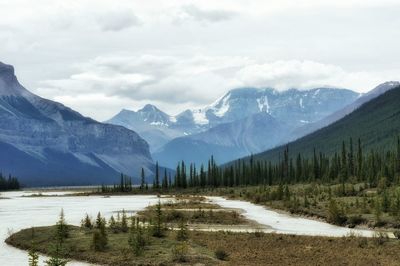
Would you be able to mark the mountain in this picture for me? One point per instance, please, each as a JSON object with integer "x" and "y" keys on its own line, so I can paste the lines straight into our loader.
{"x": 225, "y": 141}
{"x": 309, "y": 128}
{"x": 376, "y": 123}
{"x": 295, "y": 107}
{"x": 292, "y": 108}
{"x": 250, "y": 120}
{"x": 46, "y": 143}
{"x": 150, "y": 122}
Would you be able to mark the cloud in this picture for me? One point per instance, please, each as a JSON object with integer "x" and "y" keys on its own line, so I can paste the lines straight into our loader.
{"x": 75, "y": 51}
{"x": 290, "y": 74}
{"x": 117, "y": 20}
{"x": 178, "y": 82}
{"x": 192, "y": 12}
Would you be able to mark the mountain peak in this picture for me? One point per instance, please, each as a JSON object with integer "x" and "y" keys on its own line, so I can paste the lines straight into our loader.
{"x": 9, "y": 85}
{"x": 6, "y": 72}
{"x": 149, "y": 108}
{"x": 382, "y": 88}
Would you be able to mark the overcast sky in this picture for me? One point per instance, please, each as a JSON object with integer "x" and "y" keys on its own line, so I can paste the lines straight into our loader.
{"x": 101, "y": 56}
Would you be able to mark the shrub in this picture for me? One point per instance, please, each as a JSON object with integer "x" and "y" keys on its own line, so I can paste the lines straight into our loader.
{"x": 362, "y": 242}
{"x": 380, "y": 238}
{"x": 221, "y": 254}
{"x": 182, "y": 234}
{"x": 137, "y": 240}
{"x": 397, "y": 234}
{"x": 356, "y": 220}
{"x": 180, "y": 251}
{"x": 336, "y": 215}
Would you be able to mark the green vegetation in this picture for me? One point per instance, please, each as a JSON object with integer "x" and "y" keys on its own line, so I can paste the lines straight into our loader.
{"x": 10, "y": 183}
{"x": 211, "y": 248}
{"x": 376, "y": 123}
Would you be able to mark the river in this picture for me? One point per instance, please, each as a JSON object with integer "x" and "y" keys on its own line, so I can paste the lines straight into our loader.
{"x": 18, "y": 212}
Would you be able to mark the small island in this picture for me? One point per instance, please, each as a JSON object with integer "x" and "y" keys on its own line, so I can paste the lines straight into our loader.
{"x": 188, "y": 230}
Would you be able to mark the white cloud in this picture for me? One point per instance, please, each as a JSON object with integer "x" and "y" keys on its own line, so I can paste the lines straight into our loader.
{"x": 192, "y": 12}
{"x": 117, "y": 20}
{"x": 174, "y": 83}
{"x": 123, "y": 57}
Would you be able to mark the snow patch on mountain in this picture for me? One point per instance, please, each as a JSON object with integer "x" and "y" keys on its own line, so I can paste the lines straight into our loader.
{"x": 199, "y": 117}
{"x": 223, "y": 108}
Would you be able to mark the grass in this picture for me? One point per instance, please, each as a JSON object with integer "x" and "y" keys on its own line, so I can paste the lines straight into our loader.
{"x": 78, "y": 247}
{"x": 219, "y": 248}
{"x": 358, "y": 203}
{"x": 310, "y": 200}
{"x": 194, "y": 210}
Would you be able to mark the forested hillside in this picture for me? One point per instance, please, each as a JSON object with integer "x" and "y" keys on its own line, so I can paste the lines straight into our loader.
{"x": 376, "y": 124}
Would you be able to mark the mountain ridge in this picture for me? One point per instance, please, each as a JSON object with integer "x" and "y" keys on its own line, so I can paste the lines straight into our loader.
{"x": 48, "y": 136}
{"x": 376, "y": 123}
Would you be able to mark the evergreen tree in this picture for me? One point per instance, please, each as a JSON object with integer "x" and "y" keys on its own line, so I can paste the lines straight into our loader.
{"x": 100, "y": 238}
{"x": 87, "y": 222}
{"x": 136, "y": 239}
{"x": 157, "y": 177}
{"x": 165, "y": 180}
{"x": 113, "y": 225}
{"x": 182, "y": 234}
{"x": 62, "y": 228}
{"x": 351, "y": 158}
{"x": 124, "y": 222}
{"x": 33, "y": 256}
{"x": 142, "y": 182}
{"x": 56, "y": 257}
{"x": 158, "y": 228}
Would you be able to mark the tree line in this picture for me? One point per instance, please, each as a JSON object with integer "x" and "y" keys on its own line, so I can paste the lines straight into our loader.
{"x": 10, "y": 183}
{"x": 350, "y": 164}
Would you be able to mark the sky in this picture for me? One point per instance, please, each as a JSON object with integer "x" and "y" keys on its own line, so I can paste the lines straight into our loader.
{"x": 99, "y": 57}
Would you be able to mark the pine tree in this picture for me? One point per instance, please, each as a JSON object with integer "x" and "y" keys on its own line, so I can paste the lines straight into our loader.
{"x": 182, "y": 234}
{"x": 33, "y": 256}
{"x": 124, "y": 222}
{"x": 158, "y": 228}
{"x": 113, "y": 225}
{"x": 55, "y": 259}
{"x": 351, "y": 158}
{"x": 359, "y": 161}
{"x": 165, "y": 180}
{"x": 136, "y": 239}
{"x": 157, "y": 177}
{"x": 398, "y": 155}
{"x": 100, "y": 238}
{"x": 142, "y": 183}
{"x": 121, "y": 183}
{"x": 86, "y": 222}
{"x": 62, "y": 228}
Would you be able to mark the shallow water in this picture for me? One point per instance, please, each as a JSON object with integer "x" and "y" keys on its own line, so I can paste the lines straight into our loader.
{"x": 286, "y": 224}
{"x": 17, "y": 212}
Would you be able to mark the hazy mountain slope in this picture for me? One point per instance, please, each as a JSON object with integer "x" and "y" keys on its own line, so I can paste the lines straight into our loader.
{"x": 49, "y": 143}
{"x": 376, "y": 123}
{"x": 233, "y": 122}
{"x": 307, "y": 129}
{"x": 149, "y": 122}
{"x": 225, "y": 141}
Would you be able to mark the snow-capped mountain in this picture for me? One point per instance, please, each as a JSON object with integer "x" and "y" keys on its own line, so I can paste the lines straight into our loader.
{"x": 153, "y": 124}
{"x": 339, "y": 114}
{"x": 292, "y": 106}
{"x": 46, "y": 143}
{"x": 226, "y": 141}
{"x": 232, "y": 125}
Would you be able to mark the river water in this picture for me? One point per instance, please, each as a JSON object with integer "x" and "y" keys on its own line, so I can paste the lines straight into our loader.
{"x": 18, "y": 212}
